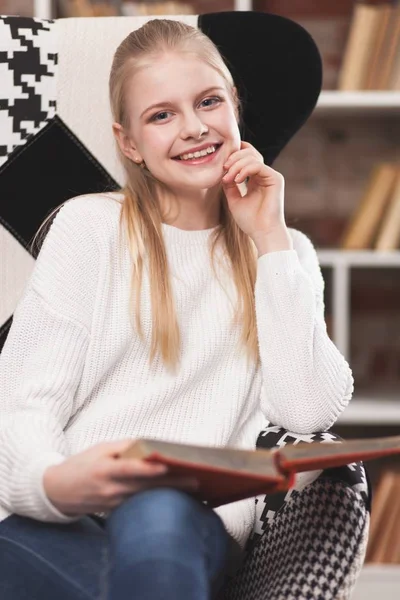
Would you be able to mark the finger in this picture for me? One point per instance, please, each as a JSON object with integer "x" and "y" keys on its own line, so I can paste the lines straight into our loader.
{"x": 177, "y": 482}
{"x": 186, "y": 483}
{"x": 236, "y": 168}
{"x": 263, "y": 175}
{"x": 232, "y": 192}
{"x": 116, "y": 448}
{"x": 239, "y": 154}
{"x": 246, "y": 145}
{"x": 131, "y": 468}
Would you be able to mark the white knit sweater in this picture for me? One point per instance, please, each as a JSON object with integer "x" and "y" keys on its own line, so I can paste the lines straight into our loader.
{"x": 74, "y": 373}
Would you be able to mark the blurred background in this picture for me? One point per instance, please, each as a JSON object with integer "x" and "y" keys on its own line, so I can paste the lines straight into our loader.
{"x": 342, "y": 172}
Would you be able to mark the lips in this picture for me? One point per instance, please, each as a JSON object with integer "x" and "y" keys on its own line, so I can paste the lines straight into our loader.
{"x": 216, "y": 146}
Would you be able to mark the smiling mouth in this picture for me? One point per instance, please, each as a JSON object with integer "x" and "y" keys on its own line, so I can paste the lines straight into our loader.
{"x": 195, "y": 156}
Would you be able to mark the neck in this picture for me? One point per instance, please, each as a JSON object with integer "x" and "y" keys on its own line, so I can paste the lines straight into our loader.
{"x": 193, "y": 210}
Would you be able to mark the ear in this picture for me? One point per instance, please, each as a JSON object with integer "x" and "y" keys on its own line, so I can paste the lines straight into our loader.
{"x": 126, "y": 144}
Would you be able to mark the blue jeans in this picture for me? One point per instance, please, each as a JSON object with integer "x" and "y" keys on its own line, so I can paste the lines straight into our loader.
{"x": 160, "y": 543}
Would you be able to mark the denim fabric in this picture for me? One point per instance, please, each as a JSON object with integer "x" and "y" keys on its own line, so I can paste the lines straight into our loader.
{"x": 160, "y": 543}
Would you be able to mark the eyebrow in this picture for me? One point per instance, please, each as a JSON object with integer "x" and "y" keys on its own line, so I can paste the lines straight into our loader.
{"x": 170, "y": 104}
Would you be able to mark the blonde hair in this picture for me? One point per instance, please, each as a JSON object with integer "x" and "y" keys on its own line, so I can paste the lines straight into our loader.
{"x": 141, "y": 213}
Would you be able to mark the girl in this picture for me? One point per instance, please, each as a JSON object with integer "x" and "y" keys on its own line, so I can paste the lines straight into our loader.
{"x": 228, "y": 334}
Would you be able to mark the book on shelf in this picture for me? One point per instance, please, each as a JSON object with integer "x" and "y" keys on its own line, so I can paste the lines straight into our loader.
{"x": 394, "y": 76}
{"x": 229, "y": 474}
{"x": 388, "y": 237}
{"x": 379, "y": 49}
{"x": 380, "y": 503}
{"x": 384, "y": 534}
{"x": 371, "y": 55}
{"x": 364, "y": 224}
{"x": 102, "y": 8}
{"x": 87, "y": 8}
{"x": 363, "y": 33}
{"x": 390, "y": 51}
{"x": 131, "y": 8}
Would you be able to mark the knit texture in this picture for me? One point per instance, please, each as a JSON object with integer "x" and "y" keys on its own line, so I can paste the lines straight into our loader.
{"x": 74, "y": 372}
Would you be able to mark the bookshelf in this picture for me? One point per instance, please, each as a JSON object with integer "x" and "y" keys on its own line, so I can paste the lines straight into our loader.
{"x": 359, "y": 102}
{"x": 243, "y": 4}
{"x": 371, "y": 411}
{"x": 375, "y": 408}
{"x": 43, "y": 9}
{"x": 359, "y": 258}
{"x": 342, "y": 262}
{"x": 377, "y": 581}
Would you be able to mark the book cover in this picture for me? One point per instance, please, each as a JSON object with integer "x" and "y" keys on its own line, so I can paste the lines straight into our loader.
{"x": 383, "y": 551}
{"x": 229, "y": 474}
{"x": 388, "y": 237}
{"x": 381, "y": 501}
{"x": 394, "y": 78}
{"x": 363, "y": 225}
{"x": 379, "y": 50}
{"x": 390, "y": 50}
{"x": 358, "y": 52}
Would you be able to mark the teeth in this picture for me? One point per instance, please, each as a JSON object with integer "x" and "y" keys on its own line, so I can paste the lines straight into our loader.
{"x": 204, "y": 152}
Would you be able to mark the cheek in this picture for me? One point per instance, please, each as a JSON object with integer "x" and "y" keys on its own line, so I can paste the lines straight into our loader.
{"x": 227, "y": 125}
{"x": 236, "y": 135}
{"x": 157, "y": 144}
{"x": 232, "y": 133}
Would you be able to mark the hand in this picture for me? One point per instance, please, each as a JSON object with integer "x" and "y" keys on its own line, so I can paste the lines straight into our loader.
{"x": 261, "y": 211}
{"x": 98, "y": 479}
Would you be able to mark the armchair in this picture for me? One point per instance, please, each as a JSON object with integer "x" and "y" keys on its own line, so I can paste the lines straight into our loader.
{"x": 56, "y": 142}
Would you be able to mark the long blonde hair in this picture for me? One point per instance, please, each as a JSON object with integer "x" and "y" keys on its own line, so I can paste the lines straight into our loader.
{"x": 141, "y": 213}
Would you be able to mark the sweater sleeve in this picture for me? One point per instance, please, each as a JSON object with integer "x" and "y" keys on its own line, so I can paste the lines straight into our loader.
{"x": 42, "y": 361}
{"x": 307, "y": 382}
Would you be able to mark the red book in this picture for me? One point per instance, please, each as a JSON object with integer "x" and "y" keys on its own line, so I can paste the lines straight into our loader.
{"x": 228, "y": 474}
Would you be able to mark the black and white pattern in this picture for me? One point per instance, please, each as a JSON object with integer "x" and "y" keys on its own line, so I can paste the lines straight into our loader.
{"x": 308, "y": 543}
{"x": 28, "y": 60}
{"x": 42, "y": 160}
{"x": 313, "y": 550}
{"x": 267, "y": 506}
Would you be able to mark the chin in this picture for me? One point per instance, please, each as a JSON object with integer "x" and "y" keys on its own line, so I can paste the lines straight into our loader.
{"x": 203, "y": 183}
{"x": 204, "y": 180}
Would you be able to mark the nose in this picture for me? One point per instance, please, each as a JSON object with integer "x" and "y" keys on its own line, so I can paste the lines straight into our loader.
{"x": 193, "y": 126}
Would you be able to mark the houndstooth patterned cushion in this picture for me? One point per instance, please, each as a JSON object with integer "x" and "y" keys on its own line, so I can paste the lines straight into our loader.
{"x": 308, "y": 543}
{"x": 267, "y": 506}
{"x": 313, "y": 549}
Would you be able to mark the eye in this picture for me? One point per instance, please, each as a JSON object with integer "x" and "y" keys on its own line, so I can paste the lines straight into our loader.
{"x": 161, "y": 116}
{"x": 213, "y": 100}
{"x": 155, "y": 117}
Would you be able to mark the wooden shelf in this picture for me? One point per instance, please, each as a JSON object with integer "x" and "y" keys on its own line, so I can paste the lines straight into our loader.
{"x": 358, "y": 258}
{"x": 341, "y": 262}
{"x": 243, "y": 4}
{"x": 371, "y": 411}
{"x": 331, "y": 102}
{"x": 42, "y": 9}
{"x": 378, "y": 581}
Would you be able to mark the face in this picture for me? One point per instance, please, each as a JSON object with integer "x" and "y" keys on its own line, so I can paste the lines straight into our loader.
{"x": 193, "y": 108}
